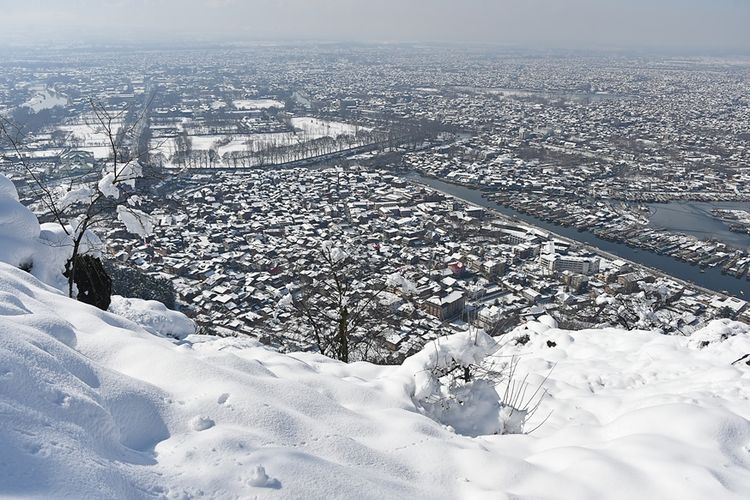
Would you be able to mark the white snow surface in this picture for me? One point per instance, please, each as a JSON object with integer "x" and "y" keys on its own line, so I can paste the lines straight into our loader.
{"x": 88, "y": 134}
{"x": 254, "y": 104}
{"x": 94, "y": 406}
{"x": 98, "y": 405}
{"x": 323, "y": 128}
{"x": 107, "y": 186}
{"x": 66, "y": 198}
{"x": 397, "y": 280}
{"x": 153, "y": 316}
{"x": 19, "y": 228}
{"x": 126, "y": 174}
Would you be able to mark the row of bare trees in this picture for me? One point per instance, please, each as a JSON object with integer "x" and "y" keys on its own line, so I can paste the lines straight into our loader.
{"x": 263, "y": 152}
{"x": 303, "y": 145}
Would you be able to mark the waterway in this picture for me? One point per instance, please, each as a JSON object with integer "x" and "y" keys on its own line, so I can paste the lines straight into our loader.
{"x": 696, "y": 219}
{"x": 711, "y": 278}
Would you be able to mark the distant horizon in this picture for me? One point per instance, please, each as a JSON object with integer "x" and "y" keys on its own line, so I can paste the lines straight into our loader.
{"x": 53, "y": 45}
{"x": 686, "y": 26}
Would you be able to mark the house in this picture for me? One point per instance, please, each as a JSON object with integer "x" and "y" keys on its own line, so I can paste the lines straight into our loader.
{"x": 74, "y": 159}
{"x": 447, "y": 307}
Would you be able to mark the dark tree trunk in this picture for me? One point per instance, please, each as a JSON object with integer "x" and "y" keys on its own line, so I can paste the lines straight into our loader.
{"x": 94, "y": 285}
{"x": 343, "y": 335}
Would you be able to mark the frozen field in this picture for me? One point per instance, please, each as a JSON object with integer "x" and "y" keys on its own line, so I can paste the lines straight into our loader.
{"x": 46, "y": 100}
{"x": 88, "y": 135}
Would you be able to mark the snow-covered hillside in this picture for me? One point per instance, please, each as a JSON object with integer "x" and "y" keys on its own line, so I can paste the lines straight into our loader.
{"x": 92, "y": 405}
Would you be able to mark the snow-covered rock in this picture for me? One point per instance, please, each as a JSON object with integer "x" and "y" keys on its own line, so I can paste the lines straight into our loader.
{"x": 42, "y": 249}
{"x": 260, "y": 479}
{"x": 153, "y": 317}
{"x": 19, "y": 228}
{"x": 200, "y": 423}
{"x": 716, "y": 332}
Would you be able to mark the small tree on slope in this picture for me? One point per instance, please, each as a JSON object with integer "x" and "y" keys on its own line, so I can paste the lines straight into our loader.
{"x": 84, "y": 203}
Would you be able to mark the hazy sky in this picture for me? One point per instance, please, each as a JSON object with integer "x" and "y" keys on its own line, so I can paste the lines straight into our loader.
{"x": 705, "y": 24}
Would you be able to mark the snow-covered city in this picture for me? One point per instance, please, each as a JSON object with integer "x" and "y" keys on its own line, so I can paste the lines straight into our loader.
{"x": 468, "y": 251}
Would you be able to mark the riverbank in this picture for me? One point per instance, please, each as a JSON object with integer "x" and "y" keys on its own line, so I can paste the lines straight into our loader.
{"x": 709, "y": 279}
{"x": 704, "y": 248}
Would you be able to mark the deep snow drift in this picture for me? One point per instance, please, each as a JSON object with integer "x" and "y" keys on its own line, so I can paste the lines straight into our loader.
{"x": 42, "y": 249}
{"x": 91, "y": 405}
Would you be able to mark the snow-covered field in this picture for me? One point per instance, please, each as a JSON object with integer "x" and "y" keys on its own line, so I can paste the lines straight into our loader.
{"x": 46, "y": 99}
{"x": 306, "y": 129}
{"x": 101, "y": 405}
{"x": 316, "y": 127}
{"x": 238, "y": 142}
{"x": 243, "y": 142}
{"x": 88, "y": 135}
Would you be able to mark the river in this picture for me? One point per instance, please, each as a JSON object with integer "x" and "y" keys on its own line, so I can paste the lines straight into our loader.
{"x": 696, "y": 219}
{"x": 711, "y": 278}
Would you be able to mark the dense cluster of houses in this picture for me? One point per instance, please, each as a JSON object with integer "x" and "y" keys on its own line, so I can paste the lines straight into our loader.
{"x": 235, "y": 245}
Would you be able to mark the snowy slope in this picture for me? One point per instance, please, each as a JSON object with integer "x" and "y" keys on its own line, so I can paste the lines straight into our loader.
{"x": 93, "y": 406}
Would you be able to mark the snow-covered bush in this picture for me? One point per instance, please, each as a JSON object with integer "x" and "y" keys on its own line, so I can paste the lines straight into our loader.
{"x": 455, "y": 380}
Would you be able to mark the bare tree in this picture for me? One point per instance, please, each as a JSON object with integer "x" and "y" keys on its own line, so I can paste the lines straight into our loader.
{"x": 340, "y": 306}
{"x": 89, "y": 201}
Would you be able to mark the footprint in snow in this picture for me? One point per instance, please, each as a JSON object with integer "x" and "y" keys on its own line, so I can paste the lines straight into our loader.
{"x": 260, "y": 479}
{"x": 201, "y": 423}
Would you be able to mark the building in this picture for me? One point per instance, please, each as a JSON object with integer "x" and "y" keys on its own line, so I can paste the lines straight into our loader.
{"x": 554, "y": 262}
{"x": 446, "y": 307}
{"x": 490, "y": 316}
{"x": 577, "y": 283}
{"x": 77, "y": 160}
{"x": 516, "y": 237}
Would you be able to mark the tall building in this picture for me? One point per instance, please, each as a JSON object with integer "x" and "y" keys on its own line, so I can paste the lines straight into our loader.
{"x": 446, "y": 307}
{"x": 554, "y": 262}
